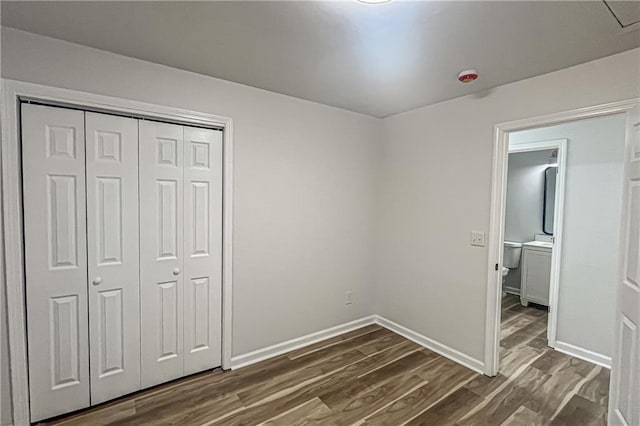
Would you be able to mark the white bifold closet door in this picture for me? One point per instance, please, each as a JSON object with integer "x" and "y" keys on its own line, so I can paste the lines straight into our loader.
{"x": 123, "y": 254}
{"x": 180, "y": 250}
{"x": 53, "y": 151}
{"x": 112, "y": 255}
{"x": 80, "y": 179}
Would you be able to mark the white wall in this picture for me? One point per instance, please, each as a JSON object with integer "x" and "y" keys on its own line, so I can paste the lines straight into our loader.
{"x": 328, "y": 201}
{"x": 525, "y": 194}
{"x": 303, "y": 184}
{"x": 435, "y": 187}
{"x": 592, "y": 209}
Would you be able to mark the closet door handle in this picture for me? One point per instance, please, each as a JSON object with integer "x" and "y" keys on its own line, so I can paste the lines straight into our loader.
{"x": 97, "y": 281}
{"x": 176, "y": 271}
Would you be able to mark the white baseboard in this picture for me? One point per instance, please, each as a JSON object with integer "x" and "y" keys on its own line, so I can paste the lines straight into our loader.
{"x": 511, "y": 290}
{"x": 299, "y": 342}
{"x": 442, "y": 349}
{"x": 583, "y": 354}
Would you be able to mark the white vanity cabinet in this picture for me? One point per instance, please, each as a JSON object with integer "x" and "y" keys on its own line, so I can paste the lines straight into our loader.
{"x": 536, "y": 273}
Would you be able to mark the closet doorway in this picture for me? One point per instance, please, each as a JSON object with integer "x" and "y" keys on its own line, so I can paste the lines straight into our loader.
{"x": 126, "y": 279}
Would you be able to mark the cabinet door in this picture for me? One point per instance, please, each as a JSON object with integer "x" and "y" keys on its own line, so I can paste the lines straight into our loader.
{"x": 161, "y": 251}
{"x": 112, "y": 251}
{"x": 537, "y": 276}
{"x": 202, "y": 248}
{"x": 53, "y": 151}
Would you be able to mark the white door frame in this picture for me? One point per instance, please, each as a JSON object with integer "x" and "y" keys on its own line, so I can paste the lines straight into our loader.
{"x": 497, "y": 217}
{"x": 558, "y": 219}
{"x": 15, "y": 92}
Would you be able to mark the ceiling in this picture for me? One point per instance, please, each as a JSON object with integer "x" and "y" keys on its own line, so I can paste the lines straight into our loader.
{"x": 375, "y": 59}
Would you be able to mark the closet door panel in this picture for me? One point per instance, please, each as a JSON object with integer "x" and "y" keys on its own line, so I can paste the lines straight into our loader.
{"x": 203, "y": 249}
{"x": 161, "y": 251}
{"x": 53, "y": 151}
{"x": 113, "y": 255}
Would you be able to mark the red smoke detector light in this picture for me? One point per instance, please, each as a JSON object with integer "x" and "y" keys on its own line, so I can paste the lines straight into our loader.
{"x": 467, "y": 76}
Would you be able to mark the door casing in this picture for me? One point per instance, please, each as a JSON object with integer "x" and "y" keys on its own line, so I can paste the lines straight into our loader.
{"x": 498, "y": 209}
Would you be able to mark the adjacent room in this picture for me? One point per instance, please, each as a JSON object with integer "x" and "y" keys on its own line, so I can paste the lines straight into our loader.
{"x": 561, "y": 247}
{"x": 352, "y": 212}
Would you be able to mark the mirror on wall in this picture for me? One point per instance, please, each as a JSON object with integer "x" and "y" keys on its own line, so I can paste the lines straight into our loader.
{"x": 549, "y": 203}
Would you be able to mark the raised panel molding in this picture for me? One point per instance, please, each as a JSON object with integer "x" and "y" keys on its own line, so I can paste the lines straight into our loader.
{"x": 109, "y": 210}
{"x": 64, "y": 351}
{"x": 62, "y": 221}
{"x": 111, "y": 339}
{"x": 201, "y": 316}
{"x": 627, "y": 383}
{"x": 633, "y": 239}
{"x": 168, "y": 317}
{"x": 200, "y": 222}
{"x": 60, "y": 142}
{"x": 200, "y": 155}
{"x": 167, "y": 152}
{"x": 167, "y": 219}
{"x": 109, "y": 146}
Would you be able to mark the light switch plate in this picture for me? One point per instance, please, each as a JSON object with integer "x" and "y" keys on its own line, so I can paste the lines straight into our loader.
{"x": 478, "y": 238}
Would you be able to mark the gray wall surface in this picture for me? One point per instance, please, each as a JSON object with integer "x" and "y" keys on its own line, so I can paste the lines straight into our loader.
{"x": 328, "y": 201}
{"x": 304, "y": 177}
{"x": 435, "y": 188}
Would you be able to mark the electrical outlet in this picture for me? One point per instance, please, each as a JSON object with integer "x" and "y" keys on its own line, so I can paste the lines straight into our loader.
{"x": 348, "y": 297}
{"x": 478, "y": 238}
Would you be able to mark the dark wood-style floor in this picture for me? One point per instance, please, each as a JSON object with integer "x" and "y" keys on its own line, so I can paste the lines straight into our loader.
{"x": 372, "y": 376}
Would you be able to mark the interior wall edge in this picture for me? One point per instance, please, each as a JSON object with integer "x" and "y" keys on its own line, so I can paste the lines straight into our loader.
{"x": 268, "y": 352}
{"x": 433, "y": 345}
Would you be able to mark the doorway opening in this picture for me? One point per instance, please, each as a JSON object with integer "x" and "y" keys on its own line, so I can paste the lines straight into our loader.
{"x": 570, "y": 332}
{"x": 532, "y": 246}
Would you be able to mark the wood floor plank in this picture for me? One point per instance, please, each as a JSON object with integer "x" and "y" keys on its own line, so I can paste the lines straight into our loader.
{"x": 523, "y": 416}
{"x": 550, "y": 395}
{"x": 194, "y": 412}
{"x": 333, "y": 383}
{"x": 448, "y": 410}
{"x": 441, "y": 370}
{"x": 319, "y": 354}
{"x": 551, "y": 361}
{"x": 525, "y": 334}
{"x": 298, "y": 415}
{"x": 580, "y": 411}
{"x": 378, "y": 344}
{"x": 597, "y": 389}
{"x": 111, "y": 415}
{"x": 579, "y": 366}
{"x": 483, "y": 386}
{"x": 290, "y": 380}
{"x": 353, "y": 388}
{"x": 496, "y": 409}
{"x": 516, "y": 359}
{"x": 332, "y": 341}
{"x": 372, "y": 376}
{"x": 509, "y": 300}
{"x": 517, "y": 323}
{"x": 372, "y": 400}
{"x": 443, "y": 377}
